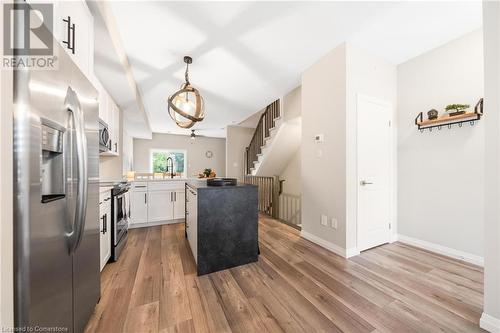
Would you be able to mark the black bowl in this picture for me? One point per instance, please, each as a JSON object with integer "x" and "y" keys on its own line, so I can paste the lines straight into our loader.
{"x": 222, "y": 182}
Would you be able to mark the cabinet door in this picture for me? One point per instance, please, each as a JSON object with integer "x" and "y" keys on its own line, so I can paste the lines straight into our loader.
{"x": 105, "y": 234}
{"x": 116, "y": 129}
{"x": 138, "y": 207}
{"x": 160, "y": 206}
{"x": 179, "y": 204}
{"x": 79, "y": 41}
{"x": 192, "y": 223}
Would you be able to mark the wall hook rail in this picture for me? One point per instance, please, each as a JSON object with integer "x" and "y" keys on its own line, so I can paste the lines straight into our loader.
{"x": 468, "y": 117}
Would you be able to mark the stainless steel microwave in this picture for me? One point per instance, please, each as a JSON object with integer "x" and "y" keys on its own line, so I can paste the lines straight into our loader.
{"x": 104, "y": 140}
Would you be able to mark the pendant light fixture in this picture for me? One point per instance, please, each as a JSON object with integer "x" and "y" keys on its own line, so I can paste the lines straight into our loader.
{"x": 186, "y": 106}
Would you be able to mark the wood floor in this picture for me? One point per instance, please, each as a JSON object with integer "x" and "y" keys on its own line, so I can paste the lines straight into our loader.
{"x": 296, "y": 286}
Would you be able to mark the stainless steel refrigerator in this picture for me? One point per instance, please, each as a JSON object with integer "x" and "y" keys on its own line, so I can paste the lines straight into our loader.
{"x": 56, "y": 171}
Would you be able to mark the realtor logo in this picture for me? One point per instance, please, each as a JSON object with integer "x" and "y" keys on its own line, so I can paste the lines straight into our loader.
{"x": 27, "y": 36}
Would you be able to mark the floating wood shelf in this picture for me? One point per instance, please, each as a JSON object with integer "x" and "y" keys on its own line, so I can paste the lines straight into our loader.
{"x": 468, "y": 117}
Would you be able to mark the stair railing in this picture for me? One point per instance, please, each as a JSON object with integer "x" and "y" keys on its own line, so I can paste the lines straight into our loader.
{"x": 268, "y": 193}
{"x": 266, "y": 122}
{"x": 290, "y": 209}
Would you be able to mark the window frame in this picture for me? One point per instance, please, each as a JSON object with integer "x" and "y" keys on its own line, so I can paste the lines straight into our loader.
{"x": 166, "y": 150}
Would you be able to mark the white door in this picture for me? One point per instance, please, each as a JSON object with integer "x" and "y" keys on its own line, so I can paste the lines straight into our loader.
{"x": 374, "y": 170}
{"x": 160, "y": 206}
{"x": 138, "y": 207}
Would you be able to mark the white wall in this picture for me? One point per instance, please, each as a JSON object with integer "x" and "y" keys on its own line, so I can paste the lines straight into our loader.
{"x": 440, "y": 176}
{"x": 490, "y": 319}
{"x": 237, "y": 139}
{"x": 329, "y": 171}
{"x": 197, "y": 161}
{"x": 292, "y": 105}
{"x": 128, "y": 152}
{"x": 323, "y": 177}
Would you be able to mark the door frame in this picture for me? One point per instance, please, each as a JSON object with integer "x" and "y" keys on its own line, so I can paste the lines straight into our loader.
{"x": 392, "y": 232}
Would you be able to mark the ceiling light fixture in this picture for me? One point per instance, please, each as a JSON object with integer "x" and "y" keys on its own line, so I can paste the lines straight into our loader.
{"x": 193, "y": 136}
{"x": 186, "y": 106}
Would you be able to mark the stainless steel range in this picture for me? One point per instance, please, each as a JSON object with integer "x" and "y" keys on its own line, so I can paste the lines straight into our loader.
{"x": 120, "y": 211}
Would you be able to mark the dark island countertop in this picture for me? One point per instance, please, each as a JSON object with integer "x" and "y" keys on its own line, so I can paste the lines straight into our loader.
{"x": 202, "y": 184}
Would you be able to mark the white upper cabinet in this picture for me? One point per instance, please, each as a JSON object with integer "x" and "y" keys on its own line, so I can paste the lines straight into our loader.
{"x": 109, "y": 112}
{"x": 115, "y": 128}
{"x": 74, "y": 29}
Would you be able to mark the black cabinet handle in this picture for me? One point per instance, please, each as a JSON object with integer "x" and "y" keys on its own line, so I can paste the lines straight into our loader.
{"x": 104, "y": 219}
{"x": 70, "y": 35}
{"x": 116, "y": 147}
{"x": 145, "y": 199}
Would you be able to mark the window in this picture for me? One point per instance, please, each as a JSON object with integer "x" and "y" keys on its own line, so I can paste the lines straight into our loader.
{"x": 159, "y": 161}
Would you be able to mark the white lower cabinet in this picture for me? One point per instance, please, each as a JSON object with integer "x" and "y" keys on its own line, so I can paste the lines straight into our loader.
{"x": 160, "y": 206}
{"x": 138, "y": 206}
{"x": 105, "y": 227}
{"x": 156, "y": 202}
{"x": 192, "y": 221}
{"x": 179, "y": 204}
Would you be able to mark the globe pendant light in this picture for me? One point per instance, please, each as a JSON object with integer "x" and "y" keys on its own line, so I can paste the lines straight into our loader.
{"x": 186, "y": 106}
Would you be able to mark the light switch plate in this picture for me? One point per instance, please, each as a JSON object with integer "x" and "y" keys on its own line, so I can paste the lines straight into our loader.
{"x": 335, "y": 223}
{"x": 324, "y": 220}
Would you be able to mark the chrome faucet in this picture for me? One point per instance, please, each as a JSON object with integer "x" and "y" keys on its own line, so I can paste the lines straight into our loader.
{"x": 171, "y": 166}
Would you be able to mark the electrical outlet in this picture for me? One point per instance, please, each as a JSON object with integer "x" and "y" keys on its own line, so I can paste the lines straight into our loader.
{"x": 335, "y": 223}
{"x": 324, "y": 220}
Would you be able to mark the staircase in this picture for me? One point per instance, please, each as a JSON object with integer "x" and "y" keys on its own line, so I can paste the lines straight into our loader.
{"x": 267, "y": 125}
{"x": 271, "y": 148}
{"x": 273, "y": 144}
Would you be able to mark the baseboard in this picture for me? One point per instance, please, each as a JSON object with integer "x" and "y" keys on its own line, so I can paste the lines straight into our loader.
{"x": 323, "y": 243}
{"x": 394, "y": 238}
{"x": 353, "y": 251}
{"x": 489, "y": 323}
{"x": 443, "y": 250}
{"x": 153, "y": 224}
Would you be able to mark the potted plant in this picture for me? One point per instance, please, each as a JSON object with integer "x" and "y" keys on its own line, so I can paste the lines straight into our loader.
{"x": 459, "y": 109}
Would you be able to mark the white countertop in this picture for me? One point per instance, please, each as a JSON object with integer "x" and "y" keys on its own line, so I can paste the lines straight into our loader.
{"x": 164, "y": 180}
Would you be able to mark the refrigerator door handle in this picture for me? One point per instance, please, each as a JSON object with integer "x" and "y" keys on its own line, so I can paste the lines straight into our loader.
{"x": 72, "y": 104}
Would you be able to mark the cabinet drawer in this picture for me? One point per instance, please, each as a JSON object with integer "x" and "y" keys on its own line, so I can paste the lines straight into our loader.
{"x": 140, "y": 186}
{"x": 167, "y": 185}
{"x": 105, "y": 197}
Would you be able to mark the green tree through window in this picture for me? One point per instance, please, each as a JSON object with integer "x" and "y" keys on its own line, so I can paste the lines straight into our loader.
{"x": 159, "y": 161}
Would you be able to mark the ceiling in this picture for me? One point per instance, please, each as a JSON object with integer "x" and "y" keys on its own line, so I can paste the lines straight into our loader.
{"x": 247, "y": 54}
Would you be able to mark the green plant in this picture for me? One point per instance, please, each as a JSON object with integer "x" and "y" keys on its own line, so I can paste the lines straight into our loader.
{"x": 457, "y": 107}
{"x": 207, "y": 172}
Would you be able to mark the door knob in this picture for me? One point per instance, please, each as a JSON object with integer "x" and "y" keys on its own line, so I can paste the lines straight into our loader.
{"x": 364, "y": 182}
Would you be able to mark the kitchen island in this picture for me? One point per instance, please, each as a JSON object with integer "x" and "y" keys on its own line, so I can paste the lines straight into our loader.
{"x": 221, "y": 225}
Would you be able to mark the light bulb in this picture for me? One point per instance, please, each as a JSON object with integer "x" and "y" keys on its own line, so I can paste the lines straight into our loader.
{"x": 185, "y": 105}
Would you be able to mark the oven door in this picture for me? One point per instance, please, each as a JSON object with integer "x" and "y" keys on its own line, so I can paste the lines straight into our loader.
{"x": 120, "y": 218}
